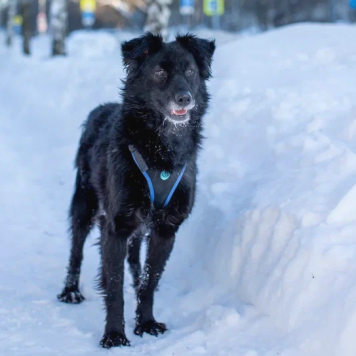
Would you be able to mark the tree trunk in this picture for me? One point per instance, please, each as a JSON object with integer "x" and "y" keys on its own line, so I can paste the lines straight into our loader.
{"x": 158, "y": 14}
{"x": 261, "y": 14}
{"x": 26, "y": 26}
{"x": 59, "y": 17}
{"x": 1, "y": 9}
{"x": 11, "y": 12}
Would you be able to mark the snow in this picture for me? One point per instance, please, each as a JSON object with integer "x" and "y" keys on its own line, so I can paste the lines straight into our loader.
{"x": 266, "y": 263}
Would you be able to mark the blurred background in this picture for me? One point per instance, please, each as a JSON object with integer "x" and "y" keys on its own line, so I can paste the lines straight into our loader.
{"x": 30, "y": 18}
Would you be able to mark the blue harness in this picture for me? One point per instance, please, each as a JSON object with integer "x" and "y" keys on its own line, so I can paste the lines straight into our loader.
{"x": 161, "y": 184}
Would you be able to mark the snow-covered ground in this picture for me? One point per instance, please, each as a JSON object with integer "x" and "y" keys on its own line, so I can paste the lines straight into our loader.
{"x": 266, "y": 265}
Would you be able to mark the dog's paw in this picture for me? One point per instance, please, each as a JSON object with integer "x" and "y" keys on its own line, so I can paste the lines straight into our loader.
{"x": 114, "y": 339}
{"x": 70, "y": 296}
{"x": 151, "y": 327}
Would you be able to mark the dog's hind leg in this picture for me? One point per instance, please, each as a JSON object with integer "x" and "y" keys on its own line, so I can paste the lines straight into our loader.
{"x": 159, "y": 249}
{"x": 83, "y": 209}
{"x": 133, "y": 251}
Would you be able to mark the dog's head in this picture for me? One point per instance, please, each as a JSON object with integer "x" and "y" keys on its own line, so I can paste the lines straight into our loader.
{"x": 168, "y": 78}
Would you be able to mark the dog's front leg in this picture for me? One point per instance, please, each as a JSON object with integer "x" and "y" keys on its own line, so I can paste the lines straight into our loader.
{"x": 160, "y": 246}
{"x": 113, "y": 251}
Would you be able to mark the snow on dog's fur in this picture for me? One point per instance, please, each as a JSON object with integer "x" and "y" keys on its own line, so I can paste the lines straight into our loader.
{"x": 164, "y": 100}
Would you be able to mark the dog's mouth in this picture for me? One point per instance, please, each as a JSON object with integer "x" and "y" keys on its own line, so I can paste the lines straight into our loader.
{"x": 179, "y": 116}
{"x": 181, "y": 112}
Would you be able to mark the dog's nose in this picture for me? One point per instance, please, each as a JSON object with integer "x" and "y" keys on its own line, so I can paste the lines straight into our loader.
{"x": 183, "y": 98}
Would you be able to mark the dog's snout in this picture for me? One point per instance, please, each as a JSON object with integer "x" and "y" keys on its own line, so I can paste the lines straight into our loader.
{"x": 183, "y": 98}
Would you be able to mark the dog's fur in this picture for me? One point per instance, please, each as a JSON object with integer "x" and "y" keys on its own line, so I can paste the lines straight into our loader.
{"x": 111, "y": 189}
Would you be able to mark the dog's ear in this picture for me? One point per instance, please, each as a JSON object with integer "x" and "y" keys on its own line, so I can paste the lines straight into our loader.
{"x": 135, "y": 52}
{"x": 202, "y": 50}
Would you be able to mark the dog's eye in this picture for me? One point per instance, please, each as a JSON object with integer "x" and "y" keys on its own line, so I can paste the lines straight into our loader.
{"x": 160, "y": 73}
{"x": 189, "y": 72}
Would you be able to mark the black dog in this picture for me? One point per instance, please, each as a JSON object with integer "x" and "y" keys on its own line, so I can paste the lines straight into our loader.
{"x": 137, "y": 173}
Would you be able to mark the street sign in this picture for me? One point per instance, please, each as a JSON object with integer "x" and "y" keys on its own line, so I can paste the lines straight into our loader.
{"x": 17, "y": 24}
{"x": 353, "y": 4}
{"x": 214, "y": 7}
{"x": 88, "y": 19}
{"x": 186, "y": 7}
{"x": 87, "y": 5}
{"x": 88, "y": 8}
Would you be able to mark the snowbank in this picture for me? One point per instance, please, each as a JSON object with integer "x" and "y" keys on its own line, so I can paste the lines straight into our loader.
{"x": 278, "y": 182}
{"x": 266, "y": 263}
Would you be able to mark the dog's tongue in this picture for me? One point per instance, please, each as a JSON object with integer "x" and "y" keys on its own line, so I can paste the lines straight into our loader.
{"x": 180, "y": 112}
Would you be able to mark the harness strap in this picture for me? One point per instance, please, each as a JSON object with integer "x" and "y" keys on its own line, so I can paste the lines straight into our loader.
{"x": 161, "y": 184}
{"x": 175, "y": 186}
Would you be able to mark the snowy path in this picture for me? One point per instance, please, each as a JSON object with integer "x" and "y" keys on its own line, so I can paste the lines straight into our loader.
{"x": 38, "y": 142}
{"x": 273, "y": 227}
